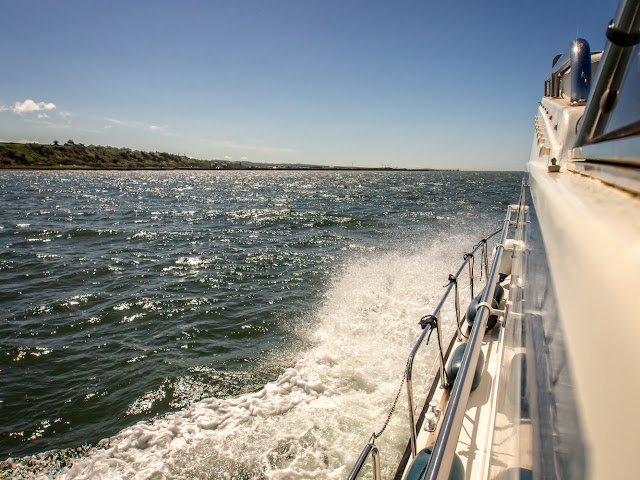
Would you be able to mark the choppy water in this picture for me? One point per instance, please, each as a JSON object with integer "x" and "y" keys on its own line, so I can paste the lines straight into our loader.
{"x": 220, "y": 324}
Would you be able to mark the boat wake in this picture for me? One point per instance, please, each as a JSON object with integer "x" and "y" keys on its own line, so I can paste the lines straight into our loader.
{"x": 314, "y": 418}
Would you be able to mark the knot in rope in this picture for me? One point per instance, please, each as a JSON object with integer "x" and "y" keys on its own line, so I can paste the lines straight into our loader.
{"x": 428, "y": 320}
{"x": 451, "y": 279}
{"x": 484, "y": 240}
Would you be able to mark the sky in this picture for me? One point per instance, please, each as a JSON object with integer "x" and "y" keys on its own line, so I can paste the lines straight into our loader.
{"x": 407, "y": 84}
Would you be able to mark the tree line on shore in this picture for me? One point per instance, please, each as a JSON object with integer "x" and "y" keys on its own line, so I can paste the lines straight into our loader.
{"x": 72, "y": 155}
{"x": 77, "y": 155}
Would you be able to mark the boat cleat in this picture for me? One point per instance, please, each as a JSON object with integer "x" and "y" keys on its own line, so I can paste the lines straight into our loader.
{"x": 432, "y": 416}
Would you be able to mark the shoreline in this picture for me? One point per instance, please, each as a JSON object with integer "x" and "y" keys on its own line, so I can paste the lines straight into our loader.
{"x": 254, "y": 168}
{"x": 77, "y": 156}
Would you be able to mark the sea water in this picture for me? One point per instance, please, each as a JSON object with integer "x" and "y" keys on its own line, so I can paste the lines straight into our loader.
{"x": 222, "y": 324}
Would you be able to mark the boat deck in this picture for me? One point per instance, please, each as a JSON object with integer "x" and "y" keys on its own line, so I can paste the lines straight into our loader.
{"x": 487, "y": 434}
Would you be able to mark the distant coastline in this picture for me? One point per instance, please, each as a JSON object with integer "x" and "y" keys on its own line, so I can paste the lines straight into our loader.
{"x": 76, "y": 156}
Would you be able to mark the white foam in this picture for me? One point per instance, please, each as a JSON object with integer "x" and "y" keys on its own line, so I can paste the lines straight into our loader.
{"x": 315, "y": 418}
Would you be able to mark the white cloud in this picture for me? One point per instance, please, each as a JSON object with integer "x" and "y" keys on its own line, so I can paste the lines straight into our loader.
{"x": 43, "y": 115}
{"x": 260, "y": 148}
{"x": 29, "y": 106}
{"x": 227, "y": 157}
{"x": 115, "y": 121}
{"x": 161, "y": 129}
{"x": 244, "y": 158}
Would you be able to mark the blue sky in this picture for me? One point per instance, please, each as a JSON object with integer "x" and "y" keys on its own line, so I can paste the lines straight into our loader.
{"x": 367, "y": 83}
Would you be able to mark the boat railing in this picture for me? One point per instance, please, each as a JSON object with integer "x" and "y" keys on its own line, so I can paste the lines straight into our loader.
{"x": 433, "y": 321}
{"x": 429, "y": 323}
{"x": 370, "y": 448}
{"x": 445, "y": 447}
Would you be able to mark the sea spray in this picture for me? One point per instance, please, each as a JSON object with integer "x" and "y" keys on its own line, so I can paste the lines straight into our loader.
{"x": 312, "y": 421}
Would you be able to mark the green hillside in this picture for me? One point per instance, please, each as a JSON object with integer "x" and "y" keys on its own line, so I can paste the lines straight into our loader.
{"x": 71, "y": 155}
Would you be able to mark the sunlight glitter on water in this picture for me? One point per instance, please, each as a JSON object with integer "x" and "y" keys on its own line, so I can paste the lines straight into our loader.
{"x": 263, "y": 333}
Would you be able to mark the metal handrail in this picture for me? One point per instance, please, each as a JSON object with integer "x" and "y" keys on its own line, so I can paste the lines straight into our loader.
{"x": 370, "y": 447}
{"x": 610, "y": 76}
{"x": 414, "y": 351}
{"x": 444, "y": 449}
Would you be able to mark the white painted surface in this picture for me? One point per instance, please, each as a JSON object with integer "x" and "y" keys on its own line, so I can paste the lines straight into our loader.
{"x": 591, "y": 233}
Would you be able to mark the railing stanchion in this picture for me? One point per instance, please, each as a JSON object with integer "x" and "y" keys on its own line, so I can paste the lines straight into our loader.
{"x": 412, "y": 422}
{"x": 376, "y": 463}
{"x": 370, "y": 448}
{"x": 471, "y": 274}
{"x": 486, "y": 259}
{"x": 409, "y": 372}
{"x": 458, "y": 328}
{"x": 443, "y": 379}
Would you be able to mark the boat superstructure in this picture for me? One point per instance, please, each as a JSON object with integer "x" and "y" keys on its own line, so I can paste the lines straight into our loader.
{"x": 542, "y": 382}
{"x": 589, "y": 216}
